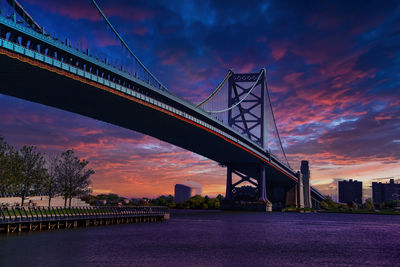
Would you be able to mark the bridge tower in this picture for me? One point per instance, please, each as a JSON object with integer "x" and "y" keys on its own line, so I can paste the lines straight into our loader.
{"x": 300, "y": 191}
{"x": 305, "y": 182}
{"x": 247, "y": 94}
{"x": 249, "y": 114}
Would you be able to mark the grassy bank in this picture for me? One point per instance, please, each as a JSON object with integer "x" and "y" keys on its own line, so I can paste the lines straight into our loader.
{"x": 343, "y": 210}
{"x": 363, "y": 211}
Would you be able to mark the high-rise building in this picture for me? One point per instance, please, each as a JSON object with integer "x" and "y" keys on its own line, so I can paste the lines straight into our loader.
{"x": 382, "y": 192}
{"x": 305, "y": 178}
{"x": 182, "y": 193}
{"x": 350, "y": 191}
{"x": 186, "y": 190}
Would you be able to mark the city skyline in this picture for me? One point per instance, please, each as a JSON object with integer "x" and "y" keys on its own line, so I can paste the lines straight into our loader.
{"x": 332, "y": 73}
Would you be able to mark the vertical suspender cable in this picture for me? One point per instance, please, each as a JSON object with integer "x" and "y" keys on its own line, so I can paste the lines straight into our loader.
{"x": 273, "y": 117}
{"x": 216, "y": 90}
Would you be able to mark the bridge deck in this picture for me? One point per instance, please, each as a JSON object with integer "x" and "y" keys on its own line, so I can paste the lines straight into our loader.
{"x": 72, "y": 82}
{"x": 53, "y": 87}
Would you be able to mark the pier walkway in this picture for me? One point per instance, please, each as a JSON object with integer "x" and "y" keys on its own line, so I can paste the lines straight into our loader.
{"x": 41, "y": 218}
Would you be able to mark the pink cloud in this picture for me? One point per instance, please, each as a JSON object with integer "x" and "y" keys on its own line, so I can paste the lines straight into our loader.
{"x": 278, "y": 52}
{"x": 380, "y": 118}
{"x": 292, "y": 77}
{"x": 85, "y": 10}
{"x": 171, "y": 58}
{"x": 71, "y": 9}
{"x": 247, "y": 67}
{"x": 131, "y": 13}
{"x": 278, "y": 49}
{"x": 141, "y": 31}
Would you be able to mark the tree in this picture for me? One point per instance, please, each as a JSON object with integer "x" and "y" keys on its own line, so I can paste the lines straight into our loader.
{"x": 369, "y": 205}
{"x": 73, "y": 176}
{"x": 353, "y": 205}
{"x": 197, "y": 202}
{"x": 213, "y": 203}
{"x": 4, "y": 164}
{"x": 29, "y": 171}
{"x": 220, "y": 197}
{"x": 3, "y": 147}
{"x": 328, "y": 204}
{"x": 50, "y": 184}
{"x": 163, "y": 201}
{"x": 12, "y": 171}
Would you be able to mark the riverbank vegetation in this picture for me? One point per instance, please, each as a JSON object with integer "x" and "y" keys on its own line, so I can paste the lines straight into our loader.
{"x": 195, "y": 202}
{"x": 328, "y": 205}
{"x": 26, "y": 172}
{"x": 199, "y": 202}
{"x": 295, "y": 209}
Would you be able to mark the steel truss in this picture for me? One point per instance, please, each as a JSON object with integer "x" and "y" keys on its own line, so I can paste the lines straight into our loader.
{"x": 251, "y": 116}
{"x": 259, "y": 183}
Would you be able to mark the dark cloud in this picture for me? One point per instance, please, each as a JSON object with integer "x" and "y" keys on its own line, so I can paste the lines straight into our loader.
{"x": 377, "y": 58}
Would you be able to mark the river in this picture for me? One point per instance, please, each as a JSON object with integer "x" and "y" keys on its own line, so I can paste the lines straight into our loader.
{"x": 216, "y": 239}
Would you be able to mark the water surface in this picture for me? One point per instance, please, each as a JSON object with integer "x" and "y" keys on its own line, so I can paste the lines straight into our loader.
{"x": 216, "y": 239}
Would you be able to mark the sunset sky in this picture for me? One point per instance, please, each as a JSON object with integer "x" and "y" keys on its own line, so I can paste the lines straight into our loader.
{"x": 333, "y": 69}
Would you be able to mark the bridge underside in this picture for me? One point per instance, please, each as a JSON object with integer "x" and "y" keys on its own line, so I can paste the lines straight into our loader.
{"x": 53, "y": 88}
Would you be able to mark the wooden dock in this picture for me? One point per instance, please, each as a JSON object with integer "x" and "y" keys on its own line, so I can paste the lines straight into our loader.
{"x": 14, "y": 220}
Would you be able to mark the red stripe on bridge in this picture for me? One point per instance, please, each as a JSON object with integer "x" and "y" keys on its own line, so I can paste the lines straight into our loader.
{"x": 108, "y": 89}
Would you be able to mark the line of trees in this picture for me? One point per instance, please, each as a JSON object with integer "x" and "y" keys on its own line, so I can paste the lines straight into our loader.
{"x": 329, "y": 204}
{"x": 26, "y": 172}
{"x": 195, "y": 202}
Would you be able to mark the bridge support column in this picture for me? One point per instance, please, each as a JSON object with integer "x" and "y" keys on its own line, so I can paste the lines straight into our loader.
{"x": 300, "y": 191}
{"x": 228, "y": 193}
{"x": 262, "y": 189}
{"x": 291, "y": 196}
{"x": 262, "y": 184}
{"x": 305, "y": 178}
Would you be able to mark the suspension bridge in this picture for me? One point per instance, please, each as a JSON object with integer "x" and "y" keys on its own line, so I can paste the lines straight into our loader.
{"x": 234, "y": 126}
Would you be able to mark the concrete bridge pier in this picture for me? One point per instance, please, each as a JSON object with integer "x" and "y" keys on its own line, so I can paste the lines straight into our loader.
{"x": 291, "y": 196}
{"x": 267, "y": 192}
{"x": 262, "y": 189}
{"x": 260, "y": 203}
{"x": 300, "y": 191}
{"x": 228, "y": 192}
{"x": 305, "y": 180}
